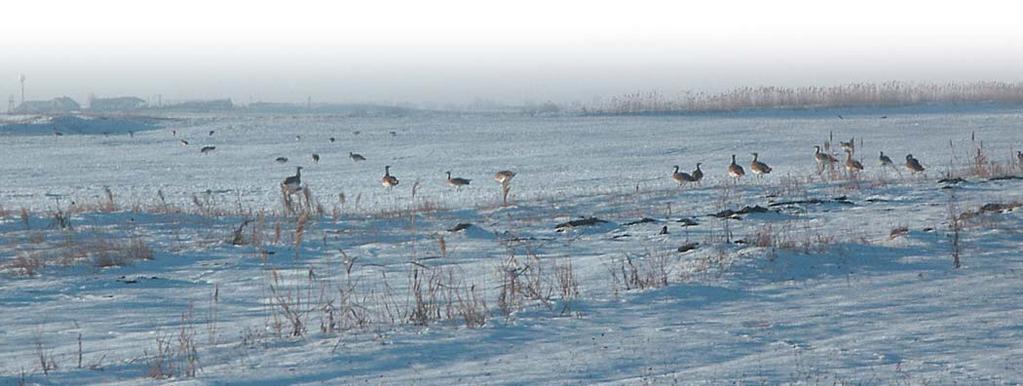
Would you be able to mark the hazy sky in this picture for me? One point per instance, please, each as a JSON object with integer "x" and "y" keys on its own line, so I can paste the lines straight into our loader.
{"x": 509, "y": 51}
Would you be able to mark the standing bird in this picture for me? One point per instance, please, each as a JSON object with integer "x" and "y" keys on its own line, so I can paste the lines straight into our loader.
{"x": 211, "y": 132}
{"x": 316, "y": 158}
{"x": 183, "y": 142}
{"x": 886, "y": 162}
{"x": 759, "y": 168}
{"x": 298, "y": 137}
{"x": 388, "y": 180}
{"x": 293, "y": 183}
{"x": 681, "y": 177}
{"x": 698, "y": 174}
{"x": 851, "y": 165}
{"x": 735, "y": 170}
{"x": 332, "y": 139}
{"x": 823, "y": 159}
{"x": 356, "y": 157}
{"x": 457, "y": 182}
{"x": 504, "y": 176}
{"x": 913, "y": 164}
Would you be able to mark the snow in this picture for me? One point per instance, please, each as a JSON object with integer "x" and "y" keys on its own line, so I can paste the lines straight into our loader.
{"x": 838, "y": 300}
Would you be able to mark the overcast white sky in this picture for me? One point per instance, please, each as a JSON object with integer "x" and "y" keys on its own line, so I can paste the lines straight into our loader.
{"x": 510, "y": 51}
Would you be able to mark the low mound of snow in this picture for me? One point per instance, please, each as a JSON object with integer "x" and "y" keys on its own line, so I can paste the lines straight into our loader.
{"x": 76, "y": 124}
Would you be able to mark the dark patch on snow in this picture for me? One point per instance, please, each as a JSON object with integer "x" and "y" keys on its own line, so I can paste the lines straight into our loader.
{"x": 728, "y": 213}
{"x": 688, "y": 247}
{"x": 460, "y": 227}
{"x": 1003, "y": 178}
{"x": 644, "y": 220}
{"x": 687, "y": 222}
{"x": 951, "y": 181}
{"x": 814, "y": 201}
{"x": 579, "y": 223}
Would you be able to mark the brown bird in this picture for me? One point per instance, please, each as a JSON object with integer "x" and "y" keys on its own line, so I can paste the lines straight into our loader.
{"x": 913, "y": 164}
{"x": 388, "y": 180}
{"x": 504, "y": 176}
{"x": 356, "y": 157}
{"x": 735, "y": 170}
{"x": 851, "y": 165}
{"x": 681, "y": 177}
{"x": 823, "y": 159}
{"x": 759, "y": 168}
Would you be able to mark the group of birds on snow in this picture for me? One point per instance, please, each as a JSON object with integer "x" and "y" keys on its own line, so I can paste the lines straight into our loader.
{"x": 824, "y": 160}
{"x": 293, "y": 184}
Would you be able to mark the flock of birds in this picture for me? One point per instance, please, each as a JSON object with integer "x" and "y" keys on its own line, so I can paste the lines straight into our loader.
{"x": 824, "y": 161}
{"x": 293, "y": 184}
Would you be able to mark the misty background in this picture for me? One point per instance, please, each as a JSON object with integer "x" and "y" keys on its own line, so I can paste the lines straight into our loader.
{"x": 457, "y": 52}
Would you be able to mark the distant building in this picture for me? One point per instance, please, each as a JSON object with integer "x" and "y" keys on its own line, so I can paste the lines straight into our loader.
{"x": 116, "y": 104}
{"x": 202, "y": 106}
{"x": 53, "y": 106}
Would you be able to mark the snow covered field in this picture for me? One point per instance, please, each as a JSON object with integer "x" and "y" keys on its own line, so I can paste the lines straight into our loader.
{"x": 821, "y": 288}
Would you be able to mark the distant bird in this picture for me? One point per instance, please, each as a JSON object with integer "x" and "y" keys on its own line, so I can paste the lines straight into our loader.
{"x": 207, "y": 149}
{"x": 913, "y": 164}
{"x": 457, "y": 182}
{"x": 211, "y": 132}
{"x": 131, "y": 133}
{"x": 1019, "y": 156}
{"x": 356, "y": 132}
{"x": 388, "y": 180}
{"x": 293, "y": 183}
{"x": 57, "y": 133}
{"x": 698, "y": 174}
{"x": 849, "y": 146}
{"x": 664, "y": 230}
{"x": 174, "y": 132}
{"x": 735, "y": 170}
{"x": 281, "y": 159}
{"x": 851, "y": 165}
{"x": 884, "y": 117}
{"x": 681, "y": 177}
{"x": 298, "y": 137}
{"x": 823, "y": 159}
{"x": 183, "y": 142}
{"x": 759, "y": 168}
{"x": 393, "y": 133}
{"x": 316, "y": 158}
{"x": 884, "y": 160}
{"x": 332, "y": 139}
{"x": 356, "y": 157}
{"x": 504, "y": 176}
{"x": 840, "y": 116}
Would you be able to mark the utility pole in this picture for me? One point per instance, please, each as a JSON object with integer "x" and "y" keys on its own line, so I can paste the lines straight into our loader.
{"x": 21, "y": 78}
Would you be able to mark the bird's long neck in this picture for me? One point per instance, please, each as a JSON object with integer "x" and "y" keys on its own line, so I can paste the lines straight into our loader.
{"x": 449, "y": 175}
{"x": 733, "y": 159}
{"x": 698, "y": 167}
{"x": 676, "y": 169}
{"x": 387, "y": 171}
{"x": 755, "y": 156}
{"x": 298, "y": 172}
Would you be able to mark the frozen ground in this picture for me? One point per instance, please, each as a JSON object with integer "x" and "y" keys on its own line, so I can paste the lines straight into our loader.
{"x": 811, "y": 293}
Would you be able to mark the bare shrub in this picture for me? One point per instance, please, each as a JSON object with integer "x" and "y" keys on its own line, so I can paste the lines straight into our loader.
{"x": 652, "y": 271}
{"x": 114, "y": 253}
